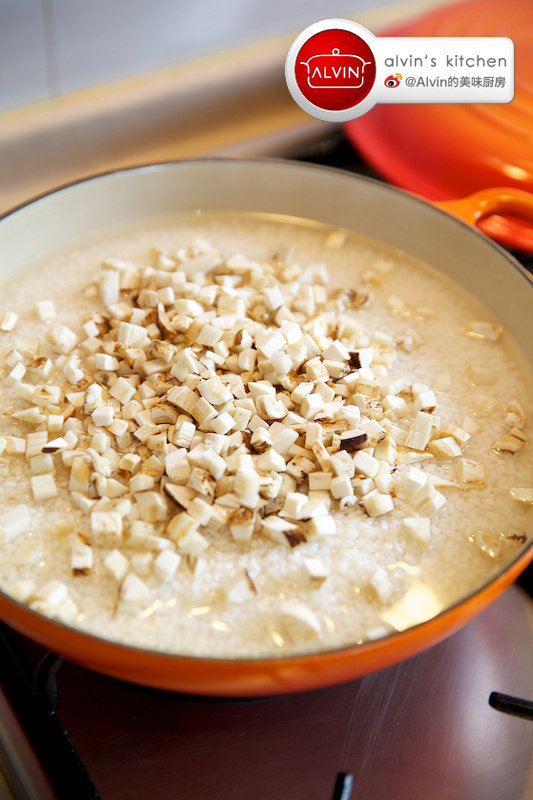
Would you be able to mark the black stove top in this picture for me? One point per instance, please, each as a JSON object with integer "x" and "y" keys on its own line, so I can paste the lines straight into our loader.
{"x": 421, "y": 729}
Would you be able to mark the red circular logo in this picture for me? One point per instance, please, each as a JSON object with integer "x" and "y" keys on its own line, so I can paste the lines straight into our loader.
{"x": 335, "y": 69}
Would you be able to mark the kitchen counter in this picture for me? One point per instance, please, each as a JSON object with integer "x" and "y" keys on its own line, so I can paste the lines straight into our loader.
{"x": 229, "y": 104}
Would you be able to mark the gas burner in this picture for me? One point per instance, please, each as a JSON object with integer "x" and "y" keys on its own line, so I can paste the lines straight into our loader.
{"x": 511, "y": 705}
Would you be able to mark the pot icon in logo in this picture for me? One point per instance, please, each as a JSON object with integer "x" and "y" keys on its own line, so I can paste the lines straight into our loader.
{"x": 335, "y": 70}
{"x": 331, "y": 69}
{"x": 393, "y": 81}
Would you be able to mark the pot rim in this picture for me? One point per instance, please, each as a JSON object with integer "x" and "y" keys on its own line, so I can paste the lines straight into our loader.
{"x": 153, "y": 166}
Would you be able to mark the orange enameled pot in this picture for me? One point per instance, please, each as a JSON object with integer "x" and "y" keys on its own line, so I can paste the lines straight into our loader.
{"x": 442, "y": 151}
{"x": 328, "y": 196}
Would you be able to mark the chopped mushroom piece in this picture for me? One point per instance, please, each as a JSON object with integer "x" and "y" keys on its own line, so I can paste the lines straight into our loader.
{"x": 382, "y": 585}
{"x": 49, "y": 597}
{"x": 81, "y": 558}
{"x": 353, "y": 440}
{"x": 516, "y": 415}
{"x": 8, "y": 320}
{"x": 116, "y": 565}
{"x": 316, "y": 571}
{"x": 239, "y": 589}
{"x": 193, "y": 543}
{"x": 420, "y": 433}
{"x": 241, "y": 524}
{"x": 152, "y": 506}
{"x": 366, "y": 464}
{"x": 470, "y": 471}
{"x": 106, "y": 528}
{"x": 417, "y": 527}
{"x": 299, "y": 622}
{"x": 320, "y": 526}
{"x": 480, "y": 375}
{"x": 43, "y": 487}
{"x": 524, "y": 495}
{"x": 134, "y": 594}
{"x": 14, "y": 522}
{"x": 278, "y": 529}
{"x": 166, "y": 564}
{"x": 246, "y": 486}
{"x": 510, "y": 442}
{"x": 483, "y": 330}
{"x": 376, "y": 503}
{"x": 45, "y": 310}
{"x": 446, "y": 447}
{"x": 22, "y": 590}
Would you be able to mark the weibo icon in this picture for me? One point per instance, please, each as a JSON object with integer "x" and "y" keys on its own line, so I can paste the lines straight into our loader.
{"x": 393, "y": 81}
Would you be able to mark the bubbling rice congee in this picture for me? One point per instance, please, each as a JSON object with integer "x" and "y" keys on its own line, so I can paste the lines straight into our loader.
{"x": 237, "y": 436}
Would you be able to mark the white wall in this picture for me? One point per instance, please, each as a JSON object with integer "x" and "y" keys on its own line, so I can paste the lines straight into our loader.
{"x": 49, "y": 47}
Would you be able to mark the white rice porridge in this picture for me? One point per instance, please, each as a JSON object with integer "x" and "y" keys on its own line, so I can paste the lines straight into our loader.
{"x": 253, "y": 436}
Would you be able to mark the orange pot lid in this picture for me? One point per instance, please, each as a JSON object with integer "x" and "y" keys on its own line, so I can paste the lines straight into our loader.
{"x": 447, "y": 151}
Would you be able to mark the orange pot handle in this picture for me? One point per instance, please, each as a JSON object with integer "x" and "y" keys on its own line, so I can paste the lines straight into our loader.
{"x": 486, "y": 202}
